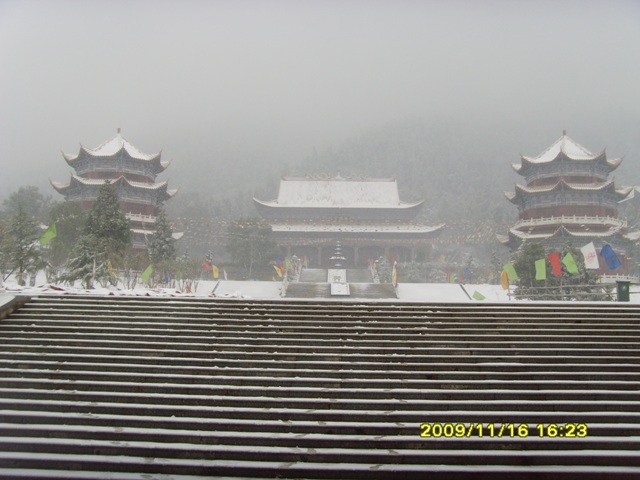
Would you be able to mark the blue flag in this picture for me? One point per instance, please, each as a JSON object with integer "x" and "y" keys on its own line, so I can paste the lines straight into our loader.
{"x": 610, "y": 257}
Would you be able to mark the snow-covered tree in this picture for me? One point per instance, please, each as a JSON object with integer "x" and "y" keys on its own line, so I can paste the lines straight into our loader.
{"x": 583, "y": 285}
{"x": 106, "y": 237}
{"x": 107, "y": 222}
{"x": 87, "y": 265}
{"x": 21, "y": 253}
{"x": 70, "y": 220}
{"x": 161, "y": 247}
{"x": 29, "y": 199}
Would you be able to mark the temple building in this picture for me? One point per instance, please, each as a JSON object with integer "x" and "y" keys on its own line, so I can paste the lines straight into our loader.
{"x": 365, "y": 215}
{"x": 132, "y": 171}
{"x": 569, "y": 198}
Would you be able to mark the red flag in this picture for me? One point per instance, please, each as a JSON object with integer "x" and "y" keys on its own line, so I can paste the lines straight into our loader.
{"x": 207, "y": 265}
{"x": 556, "y": 265}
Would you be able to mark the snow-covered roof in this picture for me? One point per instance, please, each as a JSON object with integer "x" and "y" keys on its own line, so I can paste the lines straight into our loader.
{"x": 634, "y": 194}
{"x": 338, "y": 192}
{"x": 565, "y": 145}
{"x": 112, "y": 147}
{"x": 571, "y": 150}
{"x": 613, "y": 230}
{"x": 608, "y": 185}
{"x": 93, "y": 182}
{"x": 97, "y": 182}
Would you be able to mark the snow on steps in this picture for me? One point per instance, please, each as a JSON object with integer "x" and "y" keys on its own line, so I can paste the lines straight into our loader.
{"x": 132, "y": 388}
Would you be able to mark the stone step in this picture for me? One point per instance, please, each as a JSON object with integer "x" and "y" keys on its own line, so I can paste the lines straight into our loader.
{"x": 316, "y": 434}
{"x": 372, "y": 290}
{"x": 111, "y": 387}
{"x": 439, "y": 372}
{"x": 308, "y": 290}
{"x": 359, "y": 275}
{"x": 313, "y": 275}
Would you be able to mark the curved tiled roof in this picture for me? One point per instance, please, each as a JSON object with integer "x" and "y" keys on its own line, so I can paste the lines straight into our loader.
{"x": 338, "y": 192}
{"x": 569, "y": 149}
{"x": 522, "y": 189}
{"x": 76, "y": 180}
{"x": 114, "y": 146}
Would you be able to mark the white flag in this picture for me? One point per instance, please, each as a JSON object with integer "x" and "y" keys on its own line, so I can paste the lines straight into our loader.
{"x": 590, "y": 256}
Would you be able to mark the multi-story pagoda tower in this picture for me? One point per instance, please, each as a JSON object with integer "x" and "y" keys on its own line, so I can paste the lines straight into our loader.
{"x": 132, "y": 171}
{"x": 568, "y": 195}
{"x": 367, "y": 217}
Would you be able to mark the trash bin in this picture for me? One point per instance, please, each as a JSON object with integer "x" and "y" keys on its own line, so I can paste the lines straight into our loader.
{"x": 622, "y": 289}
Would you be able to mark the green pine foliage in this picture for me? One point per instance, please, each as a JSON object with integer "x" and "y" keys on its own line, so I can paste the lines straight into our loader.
{"x": 21, "y": 252}
{"x": 107, "y": 222}
{"x": 70, "y": 221}
{"x": 161, "y": 246}
{"x": 86, "y": 265}
{"x": 580, "y": 286}
{"x": 105, "y": 239}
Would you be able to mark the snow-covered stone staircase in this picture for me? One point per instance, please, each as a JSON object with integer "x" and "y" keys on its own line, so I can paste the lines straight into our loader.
{"x": 149, "y": 387}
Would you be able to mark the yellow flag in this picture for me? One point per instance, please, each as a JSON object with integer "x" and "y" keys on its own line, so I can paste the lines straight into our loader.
{"x": 504, "y": 280}
{"x": 216, "y": 272}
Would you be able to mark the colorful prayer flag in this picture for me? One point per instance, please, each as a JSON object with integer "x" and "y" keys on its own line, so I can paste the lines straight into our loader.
{"x": 610, "y": 257}
{"x": 511, "y": 272}
{"x": 541, "y": 269}
{"x": 504, "y": 280}
{"x": 49, "y": 235}
{"x": 207, "y": 265}
{"x": 216, "y": 272}
{"x": 570, "y": 263}
{"x": 278, "y": 271}
{"x": 478, "y": 296}
{"x": 590, "y": 256}
{"x": 146, "y": 275}
{"x": 394, "y": 276}
{"x": 556, "y": 266}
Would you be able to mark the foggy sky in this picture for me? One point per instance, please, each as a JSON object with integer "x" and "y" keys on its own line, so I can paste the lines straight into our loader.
{"x": 211, "y": 83}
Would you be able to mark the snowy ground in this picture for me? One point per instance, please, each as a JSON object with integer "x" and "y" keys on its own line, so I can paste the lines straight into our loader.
{"x": 407, "y": 292}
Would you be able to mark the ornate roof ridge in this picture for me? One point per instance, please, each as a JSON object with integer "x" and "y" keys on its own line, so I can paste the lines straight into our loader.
{"x": 101, "y": 181}
{"x": 567, "y": 146}
{"x": 113, "y": 146}
{"x": 570, "y": 185}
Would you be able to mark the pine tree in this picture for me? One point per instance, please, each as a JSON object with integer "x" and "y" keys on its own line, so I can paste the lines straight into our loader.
{"x": 70, "y": 221}
{"x": 86, "y": 265}
{"x": 106, "y": 235}
{"x": 107, "y": 222}
{"x": 580, "y": 286}
{"x": 21, "y": 251}
{"x": 161, "y": 247}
